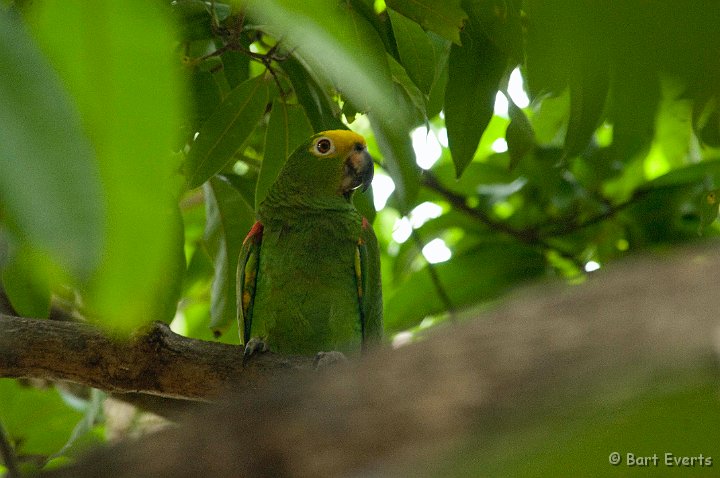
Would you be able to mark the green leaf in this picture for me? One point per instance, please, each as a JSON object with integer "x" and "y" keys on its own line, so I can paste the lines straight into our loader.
{"x": 399, "y": 160}
{"x": 50, "y": 189}
{"x": 477, "y": 177}
{"x": 500, "y": 20}
{"x": 519, "y": 135}
{"x": 475, "y": 71}
{"x": 287, "y": 129}
{"x": 93, "y": 414}
{"x": 672, "y": 144}
{"x": 707, "y": 172}
{"x": 236, "y": 66}
{"x": 588, "y": 93}
{"x": 226, "y": 131}
{"x": 320, "y": 110}
{"x": 244, "y": 184}
{"x": 436, "y": 97}
{"x": 26, "y": 287}
{"x": 121, "y": 72}
{"x": 193, "y": 17}
{"x": 709, "y": 208}
{"x": 169, "y": 283}
{"x": 446, "y": 19}
{"x": 204, "y": 98}
{"x": 38, "y": 422}
{"x": 417, "y": 51}
{"x": 413, "y": 100}
{"x": 550, "y": 44}
{"x": 229, "y": 218}
{"x": 632, "y": 110}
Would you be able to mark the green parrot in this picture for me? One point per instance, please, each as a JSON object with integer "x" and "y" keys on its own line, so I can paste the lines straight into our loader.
{"x": 308, "y": 277}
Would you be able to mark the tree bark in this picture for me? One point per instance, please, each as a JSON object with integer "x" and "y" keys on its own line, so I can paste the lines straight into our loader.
{"x": 156, "y": 362}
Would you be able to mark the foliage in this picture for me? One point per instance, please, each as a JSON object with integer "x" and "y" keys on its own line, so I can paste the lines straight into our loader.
{"x": 134, "y": 150}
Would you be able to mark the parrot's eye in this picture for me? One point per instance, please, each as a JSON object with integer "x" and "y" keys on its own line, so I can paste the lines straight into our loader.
{"x": 324, "y": 146}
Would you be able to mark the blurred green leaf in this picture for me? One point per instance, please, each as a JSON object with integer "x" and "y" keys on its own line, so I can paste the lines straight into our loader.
{"x": 706, "y": 117}
{"x": 50, "y": 187}
{"x": 39, "y": 422}
{"x": 320, "y": 110}
{"x": 588, "y": 93}
{"x": 519, "y": 135}
{"x": 500, "y": 20}
{"x": 229, "y": 218}
{"x": 549, "y": 120}
{"x": 226, "y": 131}
{"x": 26, "y": 287}
{"x": 552, "y": 39}
{"x": 399, "y": 160}
{"x": 416, "y": 50}
{"x": 236, "y": 65}
{"x": 475, "y": 71}
{"x": 446, "y": 19}
{"x": 436, "y": 96}
{"x": 709, "y": 208}
{"x": 204, "y": 99}
{"x": 193, "y": 17}
{"x": 338, "y": 46}
{"x": 414, "y": 103}
{"x": 120, "y": 70}
{"x": 287, "y": 129}
{"x": 476, "y": 176}
{"x": 168, "y": 287}
{"x": 93, "y": 414}
{"x": 244, "y": 184}
{"x": 706, "y": 172}
{"x": 672, "y": 144}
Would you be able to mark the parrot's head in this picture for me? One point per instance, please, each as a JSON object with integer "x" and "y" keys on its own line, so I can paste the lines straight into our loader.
{"x": 328, "y": 166}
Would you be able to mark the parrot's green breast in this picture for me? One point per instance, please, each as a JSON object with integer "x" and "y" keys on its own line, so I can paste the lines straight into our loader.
{"x": 306, "y": 297}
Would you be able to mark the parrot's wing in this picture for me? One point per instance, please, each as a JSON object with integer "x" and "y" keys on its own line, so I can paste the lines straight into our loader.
{"x": 367, "y": 270}
{"x": 246, "y": 277}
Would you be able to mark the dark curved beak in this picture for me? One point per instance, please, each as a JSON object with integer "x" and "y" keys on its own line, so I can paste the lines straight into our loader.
{"x": 359, "y": 170}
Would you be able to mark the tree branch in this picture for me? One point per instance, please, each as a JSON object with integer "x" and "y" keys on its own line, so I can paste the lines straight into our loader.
{"x": 158, "y": 362}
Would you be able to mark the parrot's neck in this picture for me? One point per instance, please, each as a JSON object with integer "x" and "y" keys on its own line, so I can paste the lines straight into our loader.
{"x": 282, "y": 203}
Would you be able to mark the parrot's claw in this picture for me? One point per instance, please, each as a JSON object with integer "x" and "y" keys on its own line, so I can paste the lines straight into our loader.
{"x": 329, "y": 359}
{"x": 254, "y": 346}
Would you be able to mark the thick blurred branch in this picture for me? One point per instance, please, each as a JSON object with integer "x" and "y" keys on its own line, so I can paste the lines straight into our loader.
{"x": 544, "y": 359}
{"x": 157, "y": 362}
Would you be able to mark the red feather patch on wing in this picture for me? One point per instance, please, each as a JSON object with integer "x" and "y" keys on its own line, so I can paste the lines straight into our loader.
{"x": 255, "y": 233}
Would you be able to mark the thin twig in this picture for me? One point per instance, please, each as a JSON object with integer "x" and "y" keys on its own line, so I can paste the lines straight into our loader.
{"x": 230, "y": 38}
{"x": 435, "y": 278}
{"x": 459, "y": 203}
{"x": 526, "y": 236}
{"x": 568, "y": 227}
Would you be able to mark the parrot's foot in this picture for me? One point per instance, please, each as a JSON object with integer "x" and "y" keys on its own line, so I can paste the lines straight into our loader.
{"x": 254, "y": 346}
{"x": 329, "y": 359}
